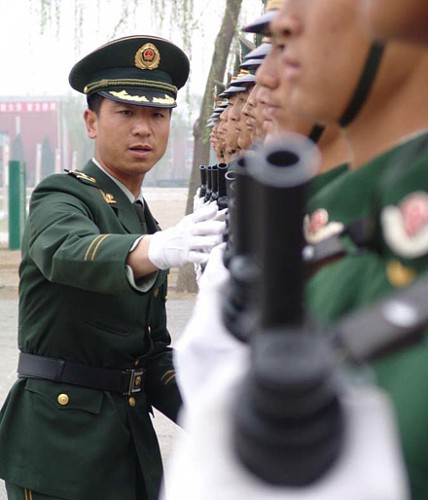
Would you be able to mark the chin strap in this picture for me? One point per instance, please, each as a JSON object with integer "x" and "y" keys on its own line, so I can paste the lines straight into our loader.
{"x": 365, "y": 83}
{"x": 316, "y": 132}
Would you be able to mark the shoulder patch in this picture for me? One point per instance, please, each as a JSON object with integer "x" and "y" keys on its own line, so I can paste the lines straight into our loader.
{"x": 317, "y": 227}
{"x": 405, "y": 227}
{"x": 82, "y": 177}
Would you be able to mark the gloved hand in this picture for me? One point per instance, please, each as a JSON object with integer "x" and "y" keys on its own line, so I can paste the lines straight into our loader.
{"x": 198, "y": 201}
{"x": 208, "y": 211}
{"x": 190, "y": 241}
{"x": 206, "y": 348}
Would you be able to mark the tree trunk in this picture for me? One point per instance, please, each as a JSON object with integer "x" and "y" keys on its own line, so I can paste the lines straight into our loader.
{"x": 186, "y": 277}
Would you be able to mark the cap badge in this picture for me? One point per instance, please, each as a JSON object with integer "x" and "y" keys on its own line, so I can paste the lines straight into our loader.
{"x": 147, "y": 57}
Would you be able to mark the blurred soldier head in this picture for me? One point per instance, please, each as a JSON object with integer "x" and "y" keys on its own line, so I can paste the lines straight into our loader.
{"x": 216, "y": 143}
{"x": 238, "y": 118}
{"x": 254, "y": 117}
{"x": 238, "y": 93}
{"x": 279, "y": 115}
{"x": 405, "y": 20}
{"x": 338, "y": 74}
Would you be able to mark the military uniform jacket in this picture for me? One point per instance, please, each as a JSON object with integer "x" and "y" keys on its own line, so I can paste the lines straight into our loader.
{"x": 392, "y": 192}
{"x": 77, "y": 304}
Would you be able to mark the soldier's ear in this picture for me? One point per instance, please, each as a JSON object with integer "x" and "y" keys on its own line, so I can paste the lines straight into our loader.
{"x": 91, "y": 122}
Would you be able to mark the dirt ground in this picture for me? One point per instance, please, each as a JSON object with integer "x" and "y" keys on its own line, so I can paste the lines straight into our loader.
{"x": 168, "y": 207}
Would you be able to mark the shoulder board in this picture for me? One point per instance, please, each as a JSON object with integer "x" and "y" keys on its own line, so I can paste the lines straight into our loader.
{"x": 82, "y": 177}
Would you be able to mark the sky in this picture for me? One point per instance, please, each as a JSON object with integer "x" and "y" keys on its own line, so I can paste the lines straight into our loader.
{"x": 37, "y": 64}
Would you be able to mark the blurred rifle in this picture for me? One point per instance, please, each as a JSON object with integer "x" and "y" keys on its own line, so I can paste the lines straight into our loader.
{"x": 288, "y": 419}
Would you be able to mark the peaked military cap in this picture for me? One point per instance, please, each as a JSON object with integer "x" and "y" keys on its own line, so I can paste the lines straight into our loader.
{"x": 261, "y": 24}
{"x": 260, "y": 52}
{"x": 141, "y": 70}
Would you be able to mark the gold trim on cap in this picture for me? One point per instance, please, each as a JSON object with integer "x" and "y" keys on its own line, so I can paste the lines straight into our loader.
{"x": 123, "y": 94}
{"x": 163, "y": 100}
{"x": 273, "y": 5}
{"x": 147, "y": 57}
{"x": 134, "y": 82}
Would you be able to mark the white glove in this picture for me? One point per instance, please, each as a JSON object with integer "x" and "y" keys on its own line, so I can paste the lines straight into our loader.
{"x": 190, "y": 241}
{"x": 206, "y": 348}
{"x": 208, "y": 211}
{"x": 198, "y": 201}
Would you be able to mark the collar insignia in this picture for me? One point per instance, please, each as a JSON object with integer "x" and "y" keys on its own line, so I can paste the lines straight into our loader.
{"x": 108, "y": 198}
{"x": 147, "y": 57}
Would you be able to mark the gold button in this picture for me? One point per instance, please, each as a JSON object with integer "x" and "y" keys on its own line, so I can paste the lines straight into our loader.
{"x": 137, "y": 381}
{"x": 156, "y": 292}
{"x": 137, "y": 362}
{"x": 398, "y": 275}
{"x": 63, "y": 399}
{"x": 131, "y": 402}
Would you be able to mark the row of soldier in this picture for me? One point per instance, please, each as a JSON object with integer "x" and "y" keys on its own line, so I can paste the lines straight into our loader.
{"x": 297, "y": 382}
{"x": 321, "y": 72}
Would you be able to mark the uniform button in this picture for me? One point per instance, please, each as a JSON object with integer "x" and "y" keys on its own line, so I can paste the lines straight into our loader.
{"x": 137, "y": 362}
{"x": 137, "y": 381}
{"x": 156, "y": 292}
{"x": 63, "y": 399}
{"x": 149, "y": 329}
{"x": 131, "y": 402}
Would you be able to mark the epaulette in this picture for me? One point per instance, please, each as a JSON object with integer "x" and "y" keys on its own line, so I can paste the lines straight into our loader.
{"x": 92, "y": 181}
{"x": 82, "y": 177}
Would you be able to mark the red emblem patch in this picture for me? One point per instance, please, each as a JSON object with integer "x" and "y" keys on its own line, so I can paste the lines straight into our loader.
{"x": 318, "y": 220}
{"x": 148, "y": 55}
{"x": 414, "y": 213}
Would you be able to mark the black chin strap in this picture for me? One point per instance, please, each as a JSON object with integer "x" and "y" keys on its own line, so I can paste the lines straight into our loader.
{"x": 316, "y": 132}
{"x": 365, "y": 83}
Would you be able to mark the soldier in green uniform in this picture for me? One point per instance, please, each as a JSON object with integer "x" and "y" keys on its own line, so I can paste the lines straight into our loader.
{"x": 376, "y": 212}
{"x": 95, "y": 350}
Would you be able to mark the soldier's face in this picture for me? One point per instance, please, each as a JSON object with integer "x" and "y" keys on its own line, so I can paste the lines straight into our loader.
{"x": 129, "y": 139}
{"x": 325, "y": 48}
{"x": 254, "y": 112}
{"x": 406, "y": 20}
{"x": 231, "y": 137}
{"x": 237, "y": 117}
{"x": 248, "y": 111}
{"x": 279, "y": 115}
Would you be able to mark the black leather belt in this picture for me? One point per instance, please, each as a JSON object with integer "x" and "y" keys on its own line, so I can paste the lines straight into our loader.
{"x": 124, "y": 382}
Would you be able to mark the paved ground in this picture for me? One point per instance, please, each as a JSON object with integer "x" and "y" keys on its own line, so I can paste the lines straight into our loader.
{"x": 168, "y": 207}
